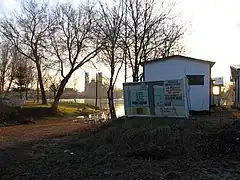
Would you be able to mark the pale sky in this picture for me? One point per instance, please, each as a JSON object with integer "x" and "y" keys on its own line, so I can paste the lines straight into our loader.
{"x": 213, "y": 33}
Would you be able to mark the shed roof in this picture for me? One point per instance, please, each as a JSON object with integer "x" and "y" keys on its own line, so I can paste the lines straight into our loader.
{"x": 218, "y": 81}
{"x": 234, "y": 71}
{"x": 236, "y": 66}
{"x": 179, "y": 56}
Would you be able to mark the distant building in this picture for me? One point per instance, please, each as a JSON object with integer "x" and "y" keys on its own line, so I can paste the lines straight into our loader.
{"x": 97, "y": 83}
{"x": 218, "y": 84}
{"x": 99, "y": 78}
{"x": 86, "y": 81}
{"x": 95, "y": 88}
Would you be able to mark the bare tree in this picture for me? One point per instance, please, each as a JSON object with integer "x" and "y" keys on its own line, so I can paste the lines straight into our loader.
{"x": 53, "y": 88}
{"x": 111, "y": 53}
{"x": 8, "y": 57}
{"x": 72, "y": 42}
{"x": 52, "y": 82}
{"x": 23, "y": 75}
{"x": 146, "y": 31}
{"x": 27, "y": 31}
{"x": 29, "y": 77}
{"x": 170, "y": 42}
{"x": 4, "y": 64}
{"x": 12, "y": 68}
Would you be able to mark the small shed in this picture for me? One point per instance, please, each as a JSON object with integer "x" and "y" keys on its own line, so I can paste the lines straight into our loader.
{"x": 197, "y": 71}
{"x": 235, "y": 79}
{"x": 218, "y": 84}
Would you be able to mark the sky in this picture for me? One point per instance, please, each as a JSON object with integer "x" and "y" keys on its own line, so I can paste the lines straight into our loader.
{"x": 213, "y": 33}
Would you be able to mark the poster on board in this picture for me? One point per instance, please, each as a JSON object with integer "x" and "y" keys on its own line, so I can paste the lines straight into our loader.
{"x": 136, "y": 99}
{"x": 169, "y": 98}
{"x": 160, "y": 98}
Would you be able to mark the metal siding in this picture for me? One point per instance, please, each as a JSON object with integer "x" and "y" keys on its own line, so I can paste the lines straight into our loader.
{"x": 178, "y": 68}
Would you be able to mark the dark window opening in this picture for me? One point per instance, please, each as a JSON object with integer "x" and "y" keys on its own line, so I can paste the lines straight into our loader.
{"x": 195, "y": 79}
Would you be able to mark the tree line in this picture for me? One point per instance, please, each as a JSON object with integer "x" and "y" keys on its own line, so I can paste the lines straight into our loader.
{"x": 62, "y": 38}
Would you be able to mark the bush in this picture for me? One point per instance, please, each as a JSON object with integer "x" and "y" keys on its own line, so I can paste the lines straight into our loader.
{"x": 6, "y": 113}
{"x": 133, "y": 138}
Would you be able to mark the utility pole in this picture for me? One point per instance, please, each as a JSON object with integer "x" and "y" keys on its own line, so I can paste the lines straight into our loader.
{"x": 96, "y": 98}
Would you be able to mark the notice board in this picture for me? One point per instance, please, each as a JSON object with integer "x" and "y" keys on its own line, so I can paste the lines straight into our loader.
{"x": 157, "y": 98}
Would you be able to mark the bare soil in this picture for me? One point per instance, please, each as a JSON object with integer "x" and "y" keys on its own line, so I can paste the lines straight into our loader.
{"x": 206, "y": 147}
{"x": 42, "y": 129}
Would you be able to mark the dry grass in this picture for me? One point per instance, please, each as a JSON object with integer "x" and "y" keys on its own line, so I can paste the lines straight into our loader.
{"x": 66, "y": 108}
{"x": 45, "y": 125}
{"x": 135, "y": 148}
{"x": 35, "y": 111}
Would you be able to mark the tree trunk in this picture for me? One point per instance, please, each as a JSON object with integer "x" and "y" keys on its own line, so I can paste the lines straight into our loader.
{"x": 10, "y": 84}
{"x": 135, "y": 77}
{"x": 2, "y": 85}
{"x": 135, "y": 74}
{"x": 57, "y": 97}
{"x": 40, "y": 80}
{"x": 125, "y": 64}
{"x": 20, "y": 92}
{"x": 37, "y": 92}
{"x": 54, "y": 94}
{"x": 111, "y": 103}
{"x": 2, "y": 77}
{"x": 26, "y": 93}
{"x": 0, "y": 88}
{"x": 59, "y": 93}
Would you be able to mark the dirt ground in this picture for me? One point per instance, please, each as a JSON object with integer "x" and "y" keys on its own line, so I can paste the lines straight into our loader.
{"x": 205, "y": 147}
{"x": 17, "y": 134}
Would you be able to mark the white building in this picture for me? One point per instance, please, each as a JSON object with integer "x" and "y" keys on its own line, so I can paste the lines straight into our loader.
{"x": 197, "y": 71}
{"x": 218, "y": 83}
{"x": 235, "y": 78}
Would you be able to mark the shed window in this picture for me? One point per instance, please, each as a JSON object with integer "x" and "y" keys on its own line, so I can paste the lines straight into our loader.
{"x": 195, "y": 79}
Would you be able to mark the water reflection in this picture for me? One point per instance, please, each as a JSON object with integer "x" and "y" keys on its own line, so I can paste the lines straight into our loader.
{"x": 120, "y": 110}
{"x": 102, "y": 103}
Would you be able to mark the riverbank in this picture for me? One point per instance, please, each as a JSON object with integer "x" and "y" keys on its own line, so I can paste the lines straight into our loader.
{"x": 65, "y": 108}
{"x": 35, "y": 122}
{"x": 32, "y": 112}
{"x": 134, "y": 148}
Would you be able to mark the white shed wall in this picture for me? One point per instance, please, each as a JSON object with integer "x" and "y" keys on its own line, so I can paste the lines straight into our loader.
{"x": 178, "y": 68}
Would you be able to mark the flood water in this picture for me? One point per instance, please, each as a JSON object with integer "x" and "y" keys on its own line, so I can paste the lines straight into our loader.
{"x": 102, "y": 103}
